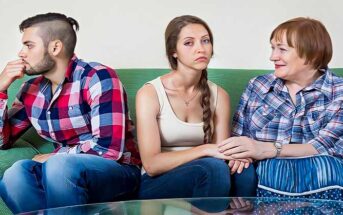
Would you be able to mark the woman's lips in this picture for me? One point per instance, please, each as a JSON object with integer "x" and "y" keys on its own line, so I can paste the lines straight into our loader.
{"x": 201, "y": 59}
{"x": 278, "y": 66}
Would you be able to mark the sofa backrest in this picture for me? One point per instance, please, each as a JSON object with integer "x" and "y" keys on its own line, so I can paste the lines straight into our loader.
{"x": 233, "y": 81}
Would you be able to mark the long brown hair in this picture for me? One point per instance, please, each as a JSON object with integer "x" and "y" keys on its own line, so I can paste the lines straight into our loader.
{"x": 171, "y": 37}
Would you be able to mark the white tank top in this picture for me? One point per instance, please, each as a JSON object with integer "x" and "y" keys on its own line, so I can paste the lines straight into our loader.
{"x": 175, "y": 133}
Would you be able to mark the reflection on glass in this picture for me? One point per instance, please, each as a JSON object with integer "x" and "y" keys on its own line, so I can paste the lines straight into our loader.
{"x": 201, "y": 206}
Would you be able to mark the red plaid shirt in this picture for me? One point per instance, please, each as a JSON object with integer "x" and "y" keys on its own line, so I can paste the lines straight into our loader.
{"x": 88, "y": 113}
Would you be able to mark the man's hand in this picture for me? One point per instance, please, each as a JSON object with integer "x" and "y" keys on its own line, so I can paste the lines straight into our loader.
{"x": 13, "y": 70}
{"x": 41, "y": 158}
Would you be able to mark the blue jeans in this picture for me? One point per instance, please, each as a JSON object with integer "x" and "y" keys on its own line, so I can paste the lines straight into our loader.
{"x": 204, "y": 177}
{"x": 245, "y": 183}
{"x": 66, "y": 179}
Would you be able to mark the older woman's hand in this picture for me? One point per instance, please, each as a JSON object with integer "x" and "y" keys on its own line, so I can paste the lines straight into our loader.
{"x": 212, "y": 150}
{"x": 243, "y": 147}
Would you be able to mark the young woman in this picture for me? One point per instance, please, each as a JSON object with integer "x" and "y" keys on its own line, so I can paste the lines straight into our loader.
{"x": 179, "y": 124}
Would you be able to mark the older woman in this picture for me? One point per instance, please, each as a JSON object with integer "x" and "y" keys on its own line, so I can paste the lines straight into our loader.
{"x": 292, "y": 121}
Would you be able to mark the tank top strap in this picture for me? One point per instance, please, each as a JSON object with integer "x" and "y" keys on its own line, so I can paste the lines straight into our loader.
{"x": 214, "y": 95}
{"x": 165, "y": 106}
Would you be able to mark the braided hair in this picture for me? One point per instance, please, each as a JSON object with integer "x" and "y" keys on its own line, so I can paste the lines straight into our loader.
{"x": 171, "y": 37}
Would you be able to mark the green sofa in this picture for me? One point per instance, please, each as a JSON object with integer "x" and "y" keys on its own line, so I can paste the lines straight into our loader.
{"x": 232, "y": 80}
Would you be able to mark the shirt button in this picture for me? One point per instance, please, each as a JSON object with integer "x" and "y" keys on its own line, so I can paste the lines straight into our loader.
{"x": 100, "y": 153}
{"x": 49, "y": 112}
{"x": 70, "y": 108}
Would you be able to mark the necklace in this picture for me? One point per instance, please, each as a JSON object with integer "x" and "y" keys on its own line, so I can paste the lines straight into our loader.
{"x": 189, "y": 100}
{"x": 186, "y": 101}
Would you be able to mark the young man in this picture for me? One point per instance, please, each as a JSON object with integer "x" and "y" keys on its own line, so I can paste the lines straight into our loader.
{"x": 79, "y": 106}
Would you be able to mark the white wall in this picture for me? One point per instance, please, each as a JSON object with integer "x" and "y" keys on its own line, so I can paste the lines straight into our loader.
{"x": 130, "y": 34}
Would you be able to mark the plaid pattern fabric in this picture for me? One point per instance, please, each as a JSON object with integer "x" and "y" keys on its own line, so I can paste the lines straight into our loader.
{"x": 88, "y": 113}
{"x": 266, "y": 113}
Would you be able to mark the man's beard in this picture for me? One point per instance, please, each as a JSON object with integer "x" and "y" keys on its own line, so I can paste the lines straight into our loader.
{"x": 42, "y": 67}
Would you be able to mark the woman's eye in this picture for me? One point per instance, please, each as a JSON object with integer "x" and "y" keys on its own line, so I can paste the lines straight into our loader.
{"x": 206, "y": 41}
{"x": 188, "y": 43}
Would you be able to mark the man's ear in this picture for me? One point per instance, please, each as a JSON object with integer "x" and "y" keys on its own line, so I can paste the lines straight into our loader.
{"x": 55, "y": 47}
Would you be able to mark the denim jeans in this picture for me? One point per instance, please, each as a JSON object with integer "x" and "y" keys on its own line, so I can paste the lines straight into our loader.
{"x": 204, "y": 177}
{"x": 245, "y": 183}
{"x": 66, "y": 179}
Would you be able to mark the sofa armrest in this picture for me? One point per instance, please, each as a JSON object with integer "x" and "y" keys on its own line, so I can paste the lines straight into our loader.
{"x": 29, "y": 145}
{"x": 20, "y": 150}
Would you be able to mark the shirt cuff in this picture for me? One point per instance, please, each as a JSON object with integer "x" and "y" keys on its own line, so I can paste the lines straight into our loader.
{"x": 3, "y": 95}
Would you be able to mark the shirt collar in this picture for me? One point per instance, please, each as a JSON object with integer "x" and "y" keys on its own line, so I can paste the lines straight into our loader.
{"x": 275, "y": 84}
{"x": 322, "y": 84}
{"x": 71, "y": 67}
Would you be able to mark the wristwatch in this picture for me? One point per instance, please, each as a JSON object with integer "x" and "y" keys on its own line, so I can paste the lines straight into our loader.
{"x": 278, "y": 147}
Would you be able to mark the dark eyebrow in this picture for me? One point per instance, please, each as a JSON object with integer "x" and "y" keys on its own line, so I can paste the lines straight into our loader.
{"x": 28, "y": 42}
{"x": 186, "y": 38}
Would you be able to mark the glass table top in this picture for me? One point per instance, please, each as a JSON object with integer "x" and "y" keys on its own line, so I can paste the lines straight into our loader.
{"x": 204, "y": 206}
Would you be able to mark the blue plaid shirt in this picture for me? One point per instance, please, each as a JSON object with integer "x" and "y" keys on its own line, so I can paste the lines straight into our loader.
{"x": 266, "y": 113}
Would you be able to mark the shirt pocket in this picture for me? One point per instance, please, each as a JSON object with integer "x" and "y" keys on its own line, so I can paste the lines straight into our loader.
{"x": 315, "y": 113}
{"x": 314, "y": 121}
{"x": 261, "y": 118}
{"x": 77, "y": 119}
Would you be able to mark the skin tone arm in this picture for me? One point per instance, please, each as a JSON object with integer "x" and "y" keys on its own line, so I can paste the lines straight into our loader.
{"x": 222, "y": 129}
{"x": 244, "y": 147}
{"x": 154, "y": 161}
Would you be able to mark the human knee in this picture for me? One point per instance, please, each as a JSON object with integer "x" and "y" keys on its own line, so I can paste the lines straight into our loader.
{"x": 217, "y": 176}
{"x": 249, "y": 174}
{"x": 18, "y": 168}
{"x": 214, "y": 166}
{"x": 215, "y": 170}
{"x": 61, "y": 166}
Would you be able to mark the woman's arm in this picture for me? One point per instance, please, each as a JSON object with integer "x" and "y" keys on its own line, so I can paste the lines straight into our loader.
{"x": 222, "y": 128}
{"x": 328, "y": 141}
{"x": 244, "y": 147}
{"x": 154, "y": 161}
{"x": 221, "y": 118}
